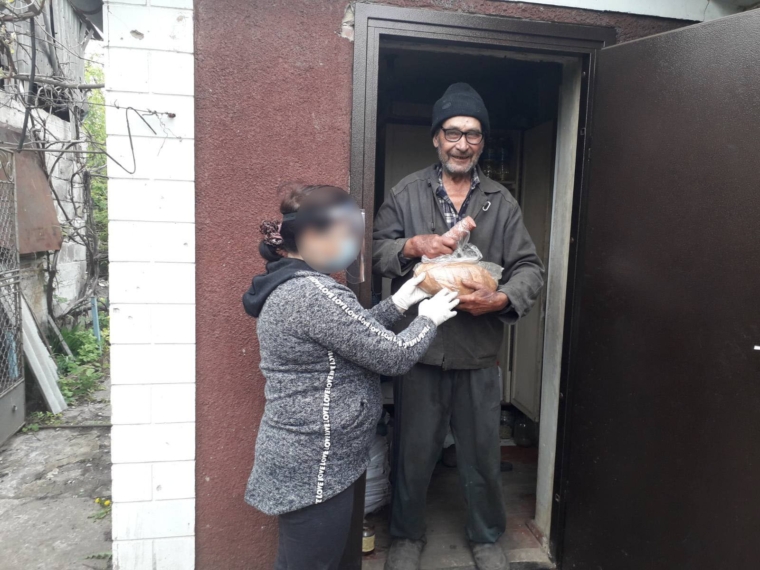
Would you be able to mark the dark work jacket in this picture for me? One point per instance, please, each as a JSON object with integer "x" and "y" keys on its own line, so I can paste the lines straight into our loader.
{"x": 466, "y": 341}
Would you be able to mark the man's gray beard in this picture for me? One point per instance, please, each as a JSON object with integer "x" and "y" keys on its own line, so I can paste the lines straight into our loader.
{"x": 456, "y": 173}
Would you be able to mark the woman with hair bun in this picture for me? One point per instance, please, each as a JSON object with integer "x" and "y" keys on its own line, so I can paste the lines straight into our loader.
{"x": 322, "y": 355}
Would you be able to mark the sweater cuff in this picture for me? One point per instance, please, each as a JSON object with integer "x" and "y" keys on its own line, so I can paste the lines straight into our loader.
{"x": 402, "y": 264}
{"x": 405, "y": 264}
{"x": 512, "y": 312}
{"x": 428, "y": 321}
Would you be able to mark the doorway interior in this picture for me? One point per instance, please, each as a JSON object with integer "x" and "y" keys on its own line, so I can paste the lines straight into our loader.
{"x": 534, "y": 105}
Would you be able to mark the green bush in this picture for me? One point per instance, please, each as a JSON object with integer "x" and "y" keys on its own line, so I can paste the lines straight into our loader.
{"x": 82, "y": 343}
{"x": 81, "y": 375}
{"x": 80, "y": 380}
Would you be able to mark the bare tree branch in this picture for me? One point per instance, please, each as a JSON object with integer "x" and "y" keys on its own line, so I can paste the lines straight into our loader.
{"x": 57, "y": 82}
{"x": 30, "y": 94}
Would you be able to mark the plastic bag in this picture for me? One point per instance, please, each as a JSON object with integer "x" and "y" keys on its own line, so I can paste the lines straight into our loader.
{"x": 465, "y": 251}
{"x": 463, "y": 264}
{"x": 378, "y": 490}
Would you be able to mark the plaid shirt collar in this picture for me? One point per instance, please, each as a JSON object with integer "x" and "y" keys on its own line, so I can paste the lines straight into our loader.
{"x": 447, "y": 206}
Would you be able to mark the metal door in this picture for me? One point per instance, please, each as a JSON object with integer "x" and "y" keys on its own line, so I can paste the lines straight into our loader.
{"x": 11, "y": 362}
{"x": 662, "y": 465}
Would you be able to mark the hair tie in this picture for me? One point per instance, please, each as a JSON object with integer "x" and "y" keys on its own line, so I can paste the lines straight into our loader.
{"x": 271, "y": 232}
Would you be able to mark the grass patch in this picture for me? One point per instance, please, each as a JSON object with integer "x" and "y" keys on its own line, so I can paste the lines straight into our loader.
{"x": 37, "y": 419}
{"x": 100, "y": 556}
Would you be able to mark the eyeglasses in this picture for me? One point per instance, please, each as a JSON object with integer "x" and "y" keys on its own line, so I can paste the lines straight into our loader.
{"x": 454, "y": 135}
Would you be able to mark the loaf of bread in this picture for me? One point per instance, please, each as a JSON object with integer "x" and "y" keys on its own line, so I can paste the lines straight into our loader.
{"x": 450, "y": 276}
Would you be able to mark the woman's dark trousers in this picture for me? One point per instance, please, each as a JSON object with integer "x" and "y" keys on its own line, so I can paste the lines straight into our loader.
{"x": 313, "y": 538}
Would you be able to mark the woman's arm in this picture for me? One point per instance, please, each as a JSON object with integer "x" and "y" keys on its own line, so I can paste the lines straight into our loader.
{"x": 331, "y": 315}
{"x": 386, "y": 312}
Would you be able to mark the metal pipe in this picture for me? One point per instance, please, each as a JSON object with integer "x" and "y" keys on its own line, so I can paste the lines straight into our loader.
{"x": 96, "y": 321}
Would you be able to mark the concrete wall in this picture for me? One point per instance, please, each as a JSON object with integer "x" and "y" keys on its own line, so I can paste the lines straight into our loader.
{"x": 149, "y": 66}
{"x": 273, "y": 103}
{"x": 72, "y": 259}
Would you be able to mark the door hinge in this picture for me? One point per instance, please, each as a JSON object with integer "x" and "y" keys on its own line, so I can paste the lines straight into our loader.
{"x": 583, "y": 131}
{"x": 556, "y": 497}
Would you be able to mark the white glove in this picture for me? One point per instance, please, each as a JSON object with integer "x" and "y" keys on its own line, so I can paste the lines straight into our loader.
{"x": 439, "y": 309}
{"x": 409, "y": 294}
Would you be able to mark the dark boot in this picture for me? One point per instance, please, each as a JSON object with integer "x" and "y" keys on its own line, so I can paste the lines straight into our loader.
{"x": 404, "y": 554}
{"x": 489, "y": 556}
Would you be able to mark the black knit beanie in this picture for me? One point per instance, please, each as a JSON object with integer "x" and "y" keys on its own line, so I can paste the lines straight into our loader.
{"x": 460, "y": 100}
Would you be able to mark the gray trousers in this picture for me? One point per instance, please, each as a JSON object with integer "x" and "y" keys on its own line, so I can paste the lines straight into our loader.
{"x": 469, "y": 401}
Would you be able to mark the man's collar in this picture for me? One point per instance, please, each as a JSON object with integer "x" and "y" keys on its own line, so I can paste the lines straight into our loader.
{"x": 474, "y": 176}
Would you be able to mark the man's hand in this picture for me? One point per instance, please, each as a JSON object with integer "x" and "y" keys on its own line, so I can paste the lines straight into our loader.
{"x": 482, "y": 300}
{"x": 429, "y": 245}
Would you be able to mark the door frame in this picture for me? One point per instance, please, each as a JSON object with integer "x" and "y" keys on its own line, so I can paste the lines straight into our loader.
{"x": 576, "y": 47}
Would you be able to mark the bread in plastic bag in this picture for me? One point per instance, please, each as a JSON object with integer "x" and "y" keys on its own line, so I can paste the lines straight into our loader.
{"x": 464, "y": 264}
{"x": 449, "y": 275}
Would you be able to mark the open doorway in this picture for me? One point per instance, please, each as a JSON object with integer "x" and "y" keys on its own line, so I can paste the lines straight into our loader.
{"x": 533, "y": 102}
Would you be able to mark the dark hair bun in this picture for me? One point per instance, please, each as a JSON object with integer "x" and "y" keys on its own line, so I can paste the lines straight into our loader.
{"x": 269, "y": 252}
{"x": 271, "y": 232}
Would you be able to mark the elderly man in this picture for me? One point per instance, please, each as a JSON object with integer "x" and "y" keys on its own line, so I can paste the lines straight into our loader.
{"x": 457, "y": 382}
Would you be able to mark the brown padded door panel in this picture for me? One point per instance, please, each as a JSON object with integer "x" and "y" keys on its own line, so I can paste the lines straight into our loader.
{"x": 663, "y": 465}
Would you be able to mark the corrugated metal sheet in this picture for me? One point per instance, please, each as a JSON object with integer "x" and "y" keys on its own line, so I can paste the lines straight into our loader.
{"x": 38, "y": 225}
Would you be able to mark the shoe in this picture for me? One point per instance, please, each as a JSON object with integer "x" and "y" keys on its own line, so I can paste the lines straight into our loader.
{"x": 404, "y": 554}
{"x": 489, "y": 556}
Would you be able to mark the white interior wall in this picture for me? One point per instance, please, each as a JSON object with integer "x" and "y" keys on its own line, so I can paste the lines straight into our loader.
{"x": 149, "y": 65}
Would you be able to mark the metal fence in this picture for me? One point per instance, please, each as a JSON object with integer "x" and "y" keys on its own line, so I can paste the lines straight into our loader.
{"x": 11, "y": 361}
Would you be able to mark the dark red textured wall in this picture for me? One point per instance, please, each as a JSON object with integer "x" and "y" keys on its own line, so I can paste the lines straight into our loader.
{"x": 273, "y": 103}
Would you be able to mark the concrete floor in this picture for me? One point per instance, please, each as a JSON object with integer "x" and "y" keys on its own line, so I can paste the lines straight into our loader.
{"x": 447, "y": 546}
{"x": 48, "y": 482}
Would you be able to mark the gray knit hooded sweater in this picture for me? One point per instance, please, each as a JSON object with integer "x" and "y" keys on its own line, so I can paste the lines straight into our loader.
{"x": 322, "y": 355}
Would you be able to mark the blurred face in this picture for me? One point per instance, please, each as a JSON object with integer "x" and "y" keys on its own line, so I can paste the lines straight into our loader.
{"x": 461, "y": 156}
{"x": 332, "y": 247}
